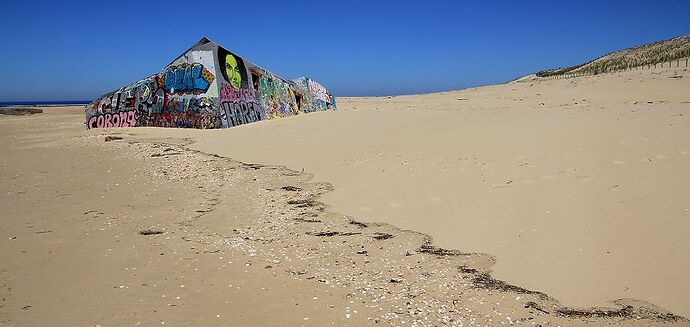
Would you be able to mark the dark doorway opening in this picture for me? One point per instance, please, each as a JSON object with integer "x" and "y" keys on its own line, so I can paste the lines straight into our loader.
{"x": 255, "y": 82}
{"x": 298, "y": 101}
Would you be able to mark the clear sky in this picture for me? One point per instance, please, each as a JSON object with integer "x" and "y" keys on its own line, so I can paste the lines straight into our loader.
{"x": 78, "y": 50}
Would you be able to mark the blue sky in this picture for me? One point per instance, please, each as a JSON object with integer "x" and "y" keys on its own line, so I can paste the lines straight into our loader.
{"x": 74, "y": 50}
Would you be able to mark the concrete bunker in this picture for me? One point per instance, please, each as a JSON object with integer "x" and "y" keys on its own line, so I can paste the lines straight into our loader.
{"x": 207, "y": 87}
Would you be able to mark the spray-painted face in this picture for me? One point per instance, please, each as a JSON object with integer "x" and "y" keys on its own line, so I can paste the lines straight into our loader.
{"x": 232, "y": 70}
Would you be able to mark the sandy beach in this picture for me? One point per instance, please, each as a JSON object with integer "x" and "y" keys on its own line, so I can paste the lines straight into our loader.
{"x": 566, "y": 183}
{"x": 537, "y": 203}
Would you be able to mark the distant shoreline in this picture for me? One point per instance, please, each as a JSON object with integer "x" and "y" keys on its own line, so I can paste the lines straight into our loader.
{"x": 43, "y": 103}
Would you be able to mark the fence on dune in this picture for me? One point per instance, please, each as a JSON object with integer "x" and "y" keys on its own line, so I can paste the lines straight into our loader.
{"x": 675, "y": 63}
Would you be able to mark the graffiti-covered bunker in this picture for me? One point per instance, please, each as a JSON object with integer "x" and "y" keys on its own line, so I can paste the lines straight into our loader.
{"x": 207, "y": 87}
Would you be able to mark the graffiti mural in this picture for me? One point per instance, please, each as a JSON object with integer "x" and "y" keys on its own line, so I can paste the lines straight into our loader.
{"x": 187, "y": 78}
{"x": 175, "y": 97}
{"x": 318, "y": 91}
{"x": 206, "y": 87}
{"x": 237, "y": 101}
{"x": 118, "y": 119}
{"x": 238, "y": 107}
{"x": 276, "y": 97}
{"x": 316, "y": 97}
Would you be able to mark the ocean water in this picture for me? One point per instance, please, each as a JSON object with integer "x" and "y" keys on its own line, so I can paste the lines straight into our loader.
{"x": 43, "y": 103}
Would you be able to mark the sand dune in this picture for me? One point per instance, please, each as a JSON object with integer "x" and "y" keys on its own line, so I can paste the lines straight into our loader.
{"x": 559, "y": 196}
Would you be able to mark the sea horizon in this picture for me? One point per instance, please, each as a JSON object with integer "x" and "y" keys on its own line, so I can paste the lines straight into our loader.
{"x": 42, "y": 103}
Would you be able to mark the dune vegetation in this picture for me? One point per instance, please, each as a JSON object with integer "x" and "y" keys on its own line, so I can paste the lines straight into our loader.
{"x": 648, "y": 54}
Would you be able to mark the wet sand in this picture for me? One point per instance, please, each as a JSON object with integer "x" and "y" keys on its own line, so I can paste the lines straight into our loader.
{"x": 575, "y": 202}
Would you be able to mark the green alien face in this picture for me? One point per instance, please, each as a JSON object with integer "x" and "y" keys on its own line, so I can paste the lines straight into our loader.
{"x": 232, "y": 70}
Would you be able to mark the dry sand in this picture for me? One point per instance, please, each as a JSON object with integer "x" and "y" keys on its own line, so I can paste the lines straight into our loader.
{"x": 579, "y": 188}
{"x": 575, "y": 191}
{"x": 72, "y": 251}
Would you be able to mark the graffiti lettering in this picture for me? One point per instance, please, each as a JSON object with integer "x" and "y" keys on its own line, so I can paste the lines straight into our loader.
{"x": 229, "y": 94}
{"x": 187, "y": 78}
{"x": 150, "y": 98}
{"x": 239, "y": 113}
{"x": 118, "y": 119}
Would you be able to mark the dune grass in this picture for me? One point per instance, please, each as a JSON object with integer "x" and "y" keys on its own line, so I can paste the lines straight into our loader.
{"x": 648, "y": 54}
